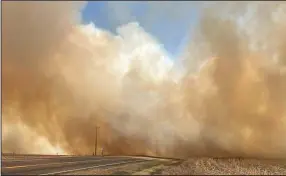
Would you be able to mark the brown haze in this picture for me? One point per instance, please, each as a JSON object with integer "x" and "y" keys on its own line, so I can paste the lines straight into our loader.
{"x": 61, "y": 79}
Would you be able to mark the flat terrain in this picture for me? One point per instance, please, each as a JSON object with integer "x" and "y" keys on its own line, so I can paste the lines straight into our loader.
{"x": 128, "y": 165}
{"x": 227, "y": 166}
{"x": 57, "y": 164}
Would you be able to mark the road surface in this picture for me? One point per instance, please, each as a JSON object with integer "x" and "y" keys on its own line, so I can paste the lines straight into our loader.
{"x": 51, "y": 165}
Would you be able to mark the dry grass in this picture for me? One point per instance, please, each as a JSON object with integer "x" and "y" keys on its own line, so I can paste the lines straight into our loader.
{"x": 227, "y": 166}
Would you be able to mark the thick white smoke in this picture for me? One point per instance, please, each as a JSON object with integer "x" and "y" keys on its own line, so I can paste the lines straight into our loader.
{"x": 61, "y": 79}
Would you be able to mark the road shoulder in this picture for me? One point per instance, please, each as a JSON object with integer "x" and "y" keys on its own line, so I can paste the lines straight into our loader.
{"x": 156, "y": 169}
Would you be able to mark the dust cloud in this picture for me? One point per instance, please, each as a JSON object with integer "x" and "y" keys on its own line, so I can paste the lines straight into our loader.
{"x": 61, "y": 79}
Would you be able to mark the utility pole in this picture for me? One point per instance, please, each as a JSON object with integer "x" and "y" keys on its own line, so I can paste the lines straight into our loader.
{"x": 156, "y": 145}
{"x": 95, "y": 143}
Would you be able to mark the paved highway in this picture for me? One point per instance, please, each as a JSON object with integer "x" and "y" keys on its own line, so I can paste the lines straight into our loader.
{"x": 51, "y": 165}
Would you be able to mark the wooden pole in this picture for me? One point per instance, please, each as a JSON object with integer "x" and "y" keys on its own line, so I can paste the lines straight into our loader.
{"x": 95, "y": 143}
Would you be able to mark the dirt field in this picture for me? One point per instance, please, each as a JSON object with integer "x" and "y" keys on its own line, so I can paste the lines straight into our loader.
{"x": 229, "y": 166}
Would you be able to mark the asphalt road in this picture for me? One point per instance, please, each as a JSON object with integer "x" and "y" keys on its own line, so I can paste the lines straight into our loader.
{"x": 50, "y": 165}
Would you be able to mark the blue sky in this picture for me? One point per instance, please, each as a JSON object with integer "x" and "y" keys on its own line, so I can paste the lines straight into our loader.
{"x": 170, "y": 22}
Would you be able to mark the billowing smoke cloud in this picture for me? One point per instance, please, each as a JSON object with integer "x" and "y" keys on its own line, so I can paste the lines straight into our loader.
{"x": 62, "y": 79}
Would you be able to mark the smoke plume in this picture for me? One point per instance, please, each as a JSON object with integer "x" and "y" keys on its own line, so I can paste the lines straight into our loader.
{"x": 62, "y": 79}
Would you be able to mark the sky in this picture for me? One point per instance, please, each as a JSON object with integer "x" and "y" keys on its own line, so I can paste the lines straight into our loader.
{"x": 170, "y": 22}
